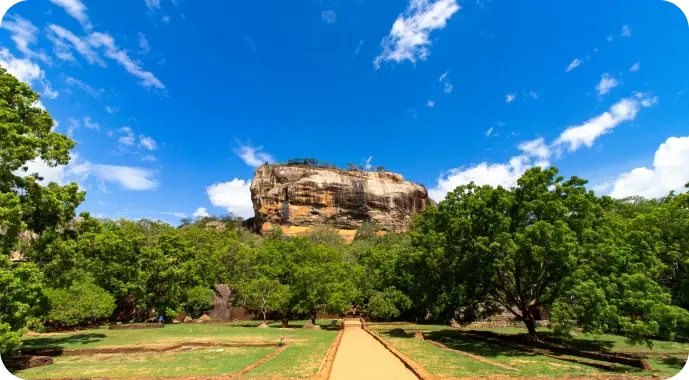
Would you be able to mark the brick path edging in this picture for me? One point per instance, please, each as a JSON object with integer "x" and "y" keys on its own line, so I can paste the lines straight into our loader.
{"x": 327, "y": 364}
{"x": 418, "y": 370}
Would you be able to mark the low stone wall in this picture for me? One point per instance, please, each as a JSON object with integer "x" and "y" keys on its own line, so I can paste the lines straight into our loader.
{"x": 136, "y": 326}
{"x": 500, "y": 324}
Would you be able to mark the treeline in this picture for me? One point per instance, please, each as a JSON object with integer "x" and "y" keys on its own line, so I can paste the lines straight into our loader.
{"x": 548, "y": 244}
{"x": 322, "y": 164}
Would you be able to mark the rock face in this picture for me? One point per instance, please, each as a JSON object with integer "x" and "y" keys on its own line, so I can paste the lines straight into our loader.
{"x": 298, "y": 198}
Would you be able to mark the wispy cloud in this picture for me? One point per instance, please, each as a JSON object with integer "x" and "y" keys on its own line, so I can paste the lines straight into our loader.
{"x": 358, "y": 47}
{"x": 253, "y": 156}
{"x": 112, "y": 109}
{"x": 626, "y": 31}
{"x": 445, "y": 80}
{"x": 147, "y": 142}
{"x": 606, "y": 84}
{"x": 538, "y": 153}
{"x": 509, "y": 98}
{"x": 250, "y": 43}
{"x": 586, "y": 134}
{"x": 144, "y": 47}
{"x": 430, "y": 104}
{"x": 88, "y": 89}
{"x": 329, "y": 16}
{"x": 409, "y": 38}
{"x": 635, "y": 67}
{"x": 76, "y": 9}
{"x": 88, "y": 123}
{"x": 489, "y": 132}
{"x": 113, "y": 52}
{"x": 180, "y": 215}
{"x": 24, "y": 34}
{"x": 26, "y": 71}
{"x": 573, "y": 65}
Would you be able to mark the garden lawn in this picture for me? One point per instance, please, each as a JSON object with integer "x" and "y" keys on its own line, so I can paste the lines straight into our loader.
{"x": 600, "y": 343}
{"x": 197, "y": 362}
{"x": 445, "y": 363}
{"x": 171, "y": 334}
{"x": 301, "y": 359}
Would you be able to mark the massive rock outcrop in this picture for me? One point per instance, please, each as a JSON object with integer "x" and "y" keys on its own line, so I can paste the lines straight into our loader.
{"x": 299, "y": 197}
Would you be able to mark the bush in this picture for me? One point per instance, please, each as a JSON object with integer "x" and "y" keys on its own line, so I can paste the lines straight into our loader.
{"x": 9, "y": 340}
{"x": 80, "y": 303}
{"x": 199, "y": 299}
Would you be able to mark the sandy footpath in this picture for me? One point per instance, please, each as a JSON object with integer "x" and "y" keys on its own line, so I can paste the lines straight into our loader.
{"x": 364, "y": 358}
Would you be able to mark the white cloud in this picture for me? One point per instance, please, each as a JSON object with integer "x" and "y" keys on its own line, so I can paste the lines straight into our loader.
{"x": 430, "y": 103}
{"x": 509, "y": 98}
{"x": 635, "y": 67}
{"x": 76, "y": 9}
{"x": 626, "y": 109}
{"x": 626, "y": 31}
{"x": 112, "y": 109}
{"x": 358, "y": 47}
{"x": 152, "y": 4}
{"x": 165, "y": 19}
{"x": 48, "y": 92}
{"x": 88, "y": 89}
{"x": 147, "y": 142}
{"x": 366, "y": 163}
{"x": 128, "y": 139}
{"x": 144, "y": 47}
{"x": 64, "y": 41}
{"x": 113, "y": 52}
{"x": 606, "y": 84}
{"x": 610, "y": 38}
{"x": 180, "y": 215}
{"x": 252, "y": 155}
{"x": 538, "y": 149}
{"x": 149, "y": 158}
{"x": 409, "y": 38}
{"x": 90, "y": 124}
{"x": 670, "y": 172}
{"x": 504, "y": 175}
{"x": 533, "y": 95}
{"x": 329, "y": 16}
{"x": 73, "y": 124}
{"x": 23, "y": 69}
{"x": 130, "y": 178}
{"x": 201, "y": 212}
{"x": 573, "y": 65}
{"x": 490, "y": 131}
{"x": 24, "y": 34}
{"x": 234, "y": 196}
{"x": 447, "y": 85}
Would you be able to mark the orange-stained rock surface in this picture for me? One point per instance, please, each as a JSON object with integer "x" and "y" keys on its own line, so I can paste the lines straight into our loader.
{"x": 298, "y": 198}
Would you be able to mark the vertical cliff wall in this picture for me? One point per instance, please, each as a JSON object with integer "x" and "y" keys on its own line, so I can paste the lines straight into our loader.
{"x": 297, "y": 198}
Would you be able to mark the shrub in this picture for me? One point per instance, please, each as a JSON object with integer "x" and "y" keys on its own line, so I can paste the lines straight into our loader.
{"x": 80, "y": 303}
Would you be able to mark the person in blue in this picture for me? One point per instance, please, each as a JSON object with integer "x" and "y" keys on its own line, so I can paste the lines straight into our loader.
{"x": 160, "y": 319}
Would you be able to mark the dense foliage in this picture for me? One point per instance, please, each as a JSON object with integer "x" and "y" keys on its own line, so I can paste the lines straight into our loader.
{"x": 547, "y": 247}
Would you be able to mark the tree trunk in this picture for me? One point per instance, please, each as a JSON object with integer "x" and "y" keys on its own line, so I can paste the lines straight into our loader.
{"x": 530, "y": 325}
{"x": 264, "y": 316}
{"x": 313, "y": 317}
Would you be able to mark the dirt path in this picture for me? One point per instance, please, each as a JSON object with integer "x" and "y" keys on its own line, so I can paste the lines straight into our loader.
{"x": 361, "y": 357}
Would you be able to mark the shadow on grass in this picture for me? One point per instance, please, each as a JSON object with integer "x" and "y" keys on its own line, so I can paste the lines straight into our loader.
{"x": 458, "y": 341}
{"x": 581, "y": 344}
{"x": 58, "y": 342}
{"x": 674, "y": 362}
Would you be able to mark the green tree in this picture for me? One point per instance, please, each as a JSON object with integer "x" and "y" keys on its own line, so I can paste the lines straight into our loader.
{"x": 265, "y": 295}
{"x": 198, "y": 300}
{"x": 387, "y": 303}
{"x": 80, "y": 303}
{"x": 25, "y": 206}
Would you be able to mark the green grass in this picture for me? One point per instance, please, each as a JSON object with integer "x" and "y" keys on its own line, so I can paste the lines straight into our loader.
{"x": 411, "y": 326}
{"x": 601, "y": 343}
{"x": 300, "y": 359}
{"x": 446, "y": 363}
{"x": 307, "y": 349}
{"x": 190, "y": 363}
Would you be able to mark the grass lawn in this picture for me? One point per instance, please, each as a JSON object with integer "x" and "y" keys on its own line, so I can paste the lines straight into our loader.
{"x": 411, "y": 326}
{"x": 174, "y": 363}
{"x": 601, "y": 343}
{"x": 307, "y": 349}
{"x": 444, "y": 363}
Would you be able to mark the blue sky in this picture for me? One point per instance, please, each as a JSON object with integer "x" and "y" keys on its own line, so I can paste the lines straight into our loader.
{"x": 173, "y": 104}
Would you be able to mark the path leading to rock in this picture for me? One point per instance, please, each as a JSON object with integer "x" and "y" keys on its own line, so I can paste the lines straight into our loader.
{"x": 361, "y": 357}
